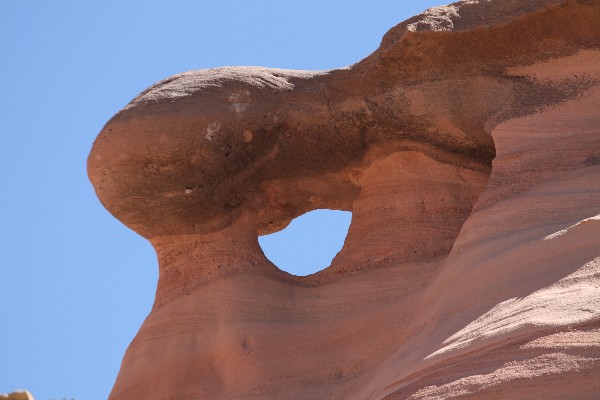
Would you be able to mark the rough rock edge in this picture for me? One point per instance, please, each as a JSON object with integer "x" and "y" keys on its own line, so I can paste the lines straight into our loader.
{"x": 464, "y": 15}
{"x": 189, "y": 82}
{"x": 449, "y": 17}
{"x": 17, "y": 395}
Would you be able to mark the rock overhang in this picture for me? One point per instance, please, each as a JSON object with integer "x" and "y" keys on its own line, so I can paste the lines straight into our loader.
{"x": 204, "y": 161}
{"x": 191, "y": 130}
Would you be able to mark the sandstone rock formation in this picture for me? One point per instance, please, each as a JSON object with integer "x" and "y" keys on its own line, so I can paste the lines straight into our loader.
{"x": 467, "y": 148}
{"x": 18, "y": 395}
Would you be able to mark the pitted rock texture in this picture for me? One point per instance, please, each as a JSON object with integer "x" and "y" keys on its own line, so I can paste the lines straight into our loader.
{"x": 467, "y": 148}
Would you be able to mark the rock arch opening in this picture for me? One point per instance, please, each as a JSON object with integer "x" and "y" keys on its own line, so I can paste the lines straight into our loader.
{"x": 309, "y": 243}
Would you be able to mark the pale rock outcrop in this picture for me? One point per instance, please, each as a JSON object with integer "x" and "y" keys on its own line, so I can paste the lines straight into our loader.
{"x": 18, "y": 395}
{"x": 467, "y": 148}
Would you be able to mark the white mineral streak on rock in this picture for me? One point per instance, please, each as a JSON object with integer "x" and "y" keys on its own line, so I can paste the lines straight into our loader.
{"x": 212, "y": 129}
{"x": 563, "y": 231}
{"x": 436, "y": 19}
{"x": 240, "y": 100}
{"x": 440, "y": 18}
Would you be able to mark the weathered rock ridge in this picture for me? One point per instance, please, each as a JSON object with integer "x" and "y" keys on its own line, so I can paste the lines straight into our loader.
{"x": 467, "y": 148}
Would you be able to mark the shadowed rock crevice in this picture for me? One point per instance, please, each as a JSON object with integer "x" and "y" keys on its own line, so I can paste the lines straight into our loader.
{"x": 460, "y": 146}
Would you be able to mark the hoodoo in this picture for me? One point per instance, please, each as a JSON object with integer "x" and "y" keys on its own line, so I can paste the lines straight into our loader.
{"x": 467, "y": 147}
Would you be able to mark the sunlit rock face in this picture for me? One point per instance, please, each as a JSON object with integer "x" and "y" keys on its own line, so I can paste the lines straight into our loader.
{"x": 18, "y": 395}
{"x": 467, "y": 148}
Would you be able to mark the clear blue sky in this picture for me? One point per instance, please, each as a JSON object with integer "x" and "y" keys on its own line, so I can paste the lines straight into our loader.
{"x": 75, "y": 283}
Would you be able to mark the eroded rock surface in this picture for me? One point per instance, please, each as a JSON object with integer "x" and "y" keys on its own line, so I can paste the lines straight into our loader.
{"x": 467, "y": 148}
{"x": 18, "y": 395}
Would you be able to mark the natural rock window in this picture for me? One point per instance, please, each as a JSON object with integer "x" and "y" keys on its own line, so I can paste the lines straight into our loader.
{"x": 309, "y": 243}
{"x": 459, "y": 277}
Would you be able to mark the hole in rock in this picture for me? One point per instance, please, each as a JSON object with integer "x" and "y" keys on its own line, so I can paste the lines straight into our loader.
{"x": 309, "y": 243}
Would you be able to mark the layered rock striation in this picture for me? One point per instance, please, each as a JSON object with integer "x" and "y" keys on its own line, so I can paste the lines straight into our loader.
{"x": 467, "y": 148}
